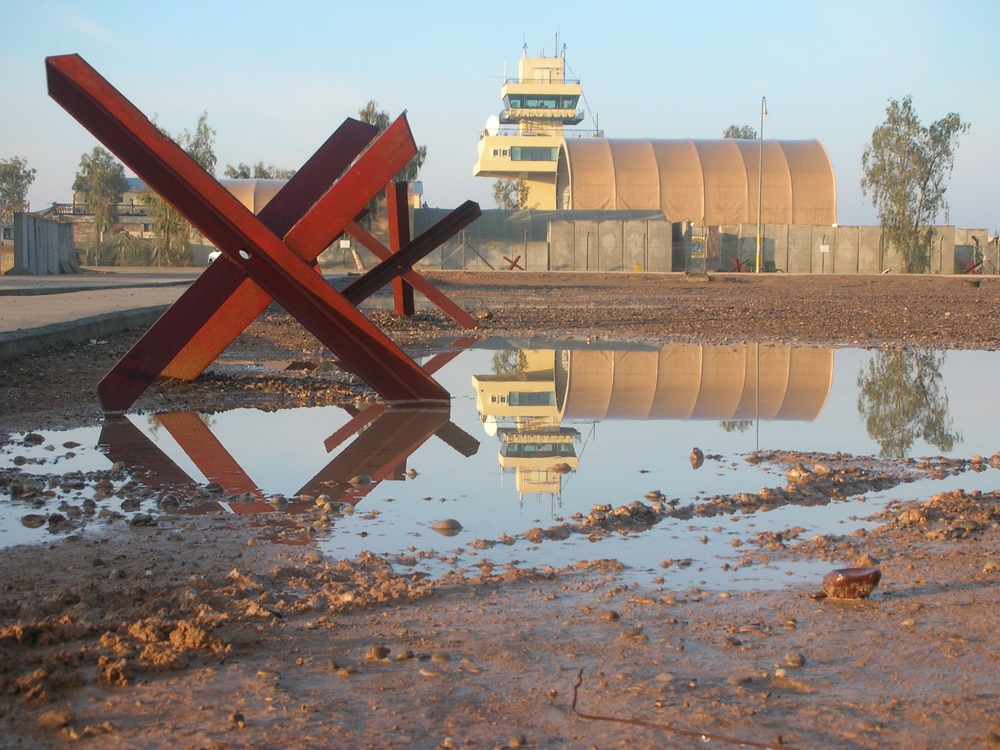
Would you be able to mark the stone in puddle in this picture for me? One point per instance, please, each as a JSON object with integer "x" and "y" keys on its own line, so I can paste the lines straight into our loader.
{"x": 851, "y": 583}
{"x": 447, "y": 527}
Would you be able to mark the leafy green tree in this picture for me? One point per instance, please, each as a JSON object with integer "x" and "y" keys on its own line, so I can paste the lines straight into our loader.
{"x": 372, "y": 115}
{"x": 200, "y": 145}
{"x": 172, "y": 231}
{"x": 736, "y": 425}
{"x": 740, "y": 131}
{"x": 510, "y": 362}
{"x": 258, "y": 171}
{"x": 901, "y": 398}
{"x": 905, "y": 168}
{"x": 511, "y": 195}
{"x": 101, "y": 182}
{"x": 15, "y": 179}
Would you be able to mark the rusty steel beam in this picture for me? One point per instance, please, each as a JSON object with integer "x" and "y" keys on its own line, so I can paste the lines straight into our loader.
{"x": 249, "y": 300}
{"x": 399, "y": 234}
{"x": 223, "y": 301}
{"x": 242, "y": 305}
{"x": 399, "y": 264}
{"x": 249, "y": 244}
{"x": 418, "y": 282}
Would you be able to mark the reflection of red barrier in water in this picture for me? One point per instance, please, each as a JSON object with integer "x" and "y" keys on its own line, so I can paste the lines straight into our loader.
{"x": 123, "y": 441}
{"x": 275, "y": 253}
{"x": 380, "y": 451}
{"x": 212, "y": 458}
{"x": 384, "y": 438}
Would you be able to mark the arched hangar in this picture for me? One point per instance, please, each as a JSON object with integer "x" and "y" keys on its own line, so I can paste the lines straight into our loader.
{"x": 709, "y": 182}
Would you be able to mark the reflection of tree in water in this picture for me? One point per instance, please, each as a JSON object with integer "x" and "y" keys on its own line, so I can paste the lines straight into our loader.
{"x": 736, "y": 425}
{"x": 154, "y": 423}
{"x": 901, "y": 398}
{"x": 509, "y": 361}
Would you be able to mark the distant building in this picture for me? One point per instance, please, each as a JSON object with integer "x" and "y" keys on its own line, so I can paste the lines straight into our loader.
{"x": 132, "y": 215}
{"x": 707, "y": 182}
{"x": 524, "y": 141}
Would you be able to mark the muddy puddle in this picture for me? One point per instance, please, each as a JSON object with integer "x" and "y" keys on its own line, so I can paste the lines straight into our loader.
{"x": 673, "y": 460}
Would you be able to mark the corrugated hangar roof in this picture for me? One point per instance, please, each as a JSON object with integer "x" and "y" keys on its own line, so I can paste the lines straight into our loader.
{"x": 710, "y": 182}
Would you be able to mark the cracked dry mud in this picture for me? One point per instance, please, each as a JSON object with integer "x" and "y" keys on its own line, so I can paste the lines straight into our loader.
{"x": 199, "y": 631}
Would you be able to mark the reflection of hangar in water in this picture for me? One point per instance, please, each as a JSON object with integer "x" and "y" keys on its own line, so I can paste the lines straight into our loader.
{"x": 691, "y": 381}
{"x": 679, "y": 381}
{"x": 532, "y": 391}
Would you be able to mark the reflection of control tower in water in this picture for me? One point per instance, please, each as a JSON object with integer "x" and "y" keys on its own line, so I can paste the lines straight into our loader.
{"x": 535, "y": 390}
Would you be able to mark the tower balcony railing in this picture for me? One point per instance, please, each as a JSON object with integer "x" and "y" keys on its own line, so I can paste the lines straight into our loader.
{"x": 80, "y": 209}
{"x": 566, "y": 116}
{"x": 566, "y": 132}
{"x": 507, "y": 80}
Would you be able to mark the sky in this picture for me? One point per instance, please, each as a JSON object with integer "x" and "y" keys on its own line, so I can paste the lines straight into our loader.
{"x": 276, "y": 81}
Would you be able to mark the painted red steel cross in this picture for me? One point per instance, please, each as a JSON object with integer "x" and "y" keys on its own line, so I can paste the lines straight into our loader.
{"x": 266, "y": 257}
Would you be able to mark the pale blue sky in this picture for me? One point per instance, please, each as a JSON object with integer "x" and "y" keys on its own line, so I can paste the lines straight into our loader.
{"x": 277, "y": 78}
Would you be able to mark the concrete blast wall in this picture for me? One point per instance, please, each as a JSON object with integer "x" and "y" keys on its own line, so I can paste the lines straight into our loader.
{"x": 43, "y": 247}
{"x": 655, "y": 245}
{"x": 795, "y": 248}
{"x": 610, "y": 246}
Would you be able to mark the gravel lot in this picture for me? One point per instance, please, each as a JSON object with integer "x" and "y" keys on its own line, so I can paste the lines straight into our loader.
{"x": 199, "y": 631}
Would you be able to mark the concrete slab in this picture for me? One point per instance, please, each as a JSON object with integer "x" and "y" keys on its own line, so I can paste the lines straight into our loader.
{"x": 39, "y": 312}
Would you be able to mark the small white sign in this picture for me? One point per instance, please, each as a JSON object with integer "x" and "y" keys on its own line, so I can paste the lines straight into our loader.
{"x": 345, "y": 244}
{"x": 824, "y": 248}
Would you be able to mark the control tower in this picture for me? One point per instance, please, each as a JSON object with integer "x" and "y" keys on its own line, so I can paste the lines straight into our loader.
{"x": 523, "y": 141}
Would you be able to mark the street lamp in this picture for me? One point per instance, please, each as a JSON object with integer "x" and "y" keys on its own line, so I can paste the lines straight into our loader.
{"x": 760, "y": 174}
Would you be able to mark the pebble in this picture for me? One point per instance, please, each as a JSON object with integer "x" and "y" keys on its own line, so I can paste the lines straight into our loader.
{"x": 361, "y": 480}
{"x": 851, "y": 583}
{"x": 377, "y": 653}
{"x": 447, "y": 527}
{"x": 170, "y": 501}
{"x": 793, "y": 659}
{"x": 55, "y": 719}
{"x": 33, "y": 520}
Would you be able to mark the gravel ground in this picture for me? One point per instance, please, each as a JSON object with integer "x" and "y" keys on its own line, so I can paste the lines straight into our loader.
{"x": 200, "y": 631}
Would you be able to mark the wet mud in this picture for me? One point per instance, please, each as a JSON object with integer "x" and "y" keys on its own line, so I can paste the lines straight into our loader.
{"x": 167, "y": 623}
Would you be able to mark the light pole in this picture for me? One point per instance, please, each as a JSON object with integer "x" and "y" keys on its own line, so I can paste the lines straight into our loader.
{"x": 760, "y": 174}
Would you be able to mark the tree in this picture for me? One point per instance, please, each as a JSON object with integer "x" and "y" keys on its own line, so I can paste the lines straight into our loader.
{"x": 258, "y": 171}
{"x": 372, "y": 115}
{"x": 172, "y": 230}
{"x": 510, "y": 362}
{"x": 905, "y": 168}
{"x": 511, "y": 195}
{"x": 200, "y": 145}
{"x": 15, "y": 179}
{"x": 742, "y": 131}
{"x": 101, "y": 182}
{"x": 901, "y": 398}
